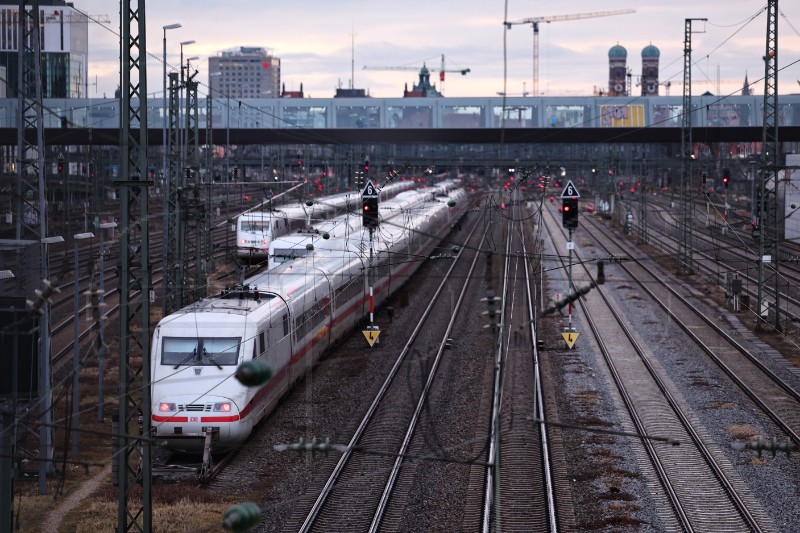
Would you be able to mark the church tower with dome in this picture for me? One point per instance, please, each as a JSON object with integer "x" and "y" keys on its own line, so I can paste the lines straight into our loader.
{"x": 650, "y": 56}
{"x": 617, "y": 57}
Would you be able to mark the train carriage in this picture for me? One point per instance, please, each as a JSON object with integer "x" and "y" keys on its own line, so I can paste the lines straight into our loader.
{"x": 288, "y": 315}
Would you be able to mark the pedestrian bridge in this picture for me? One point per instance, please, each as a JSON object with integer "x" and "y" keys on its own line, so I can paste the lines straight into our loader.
{"x": 521, "y": 119}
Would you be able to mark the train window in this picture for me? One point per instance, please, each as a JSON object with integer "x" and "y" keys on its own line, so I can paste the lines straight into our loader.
{"x": 261, "y": 342}
{"x": 254, "y": 226}
{"x": 285, "y": 325}
{"x": 220, "y": 351}
{"x": 178, "y": 351}
{"x": 204, "y": 351}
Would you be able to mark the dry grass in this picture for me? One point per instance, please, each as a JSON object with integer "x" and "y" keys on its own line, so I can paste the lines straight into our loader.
{"x": 184, "y": 516}
{"x": 742, "y": 432}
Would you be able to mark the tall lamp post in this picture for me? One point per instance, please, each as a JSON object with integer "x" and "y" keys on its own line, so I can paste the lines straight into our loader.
{"x": 46, "y": 465}
{"x": 164, "y": 108}
{"x": 75, "y": 346}
{"x": 227, "y": 154}
{"x": 164, "y": 172}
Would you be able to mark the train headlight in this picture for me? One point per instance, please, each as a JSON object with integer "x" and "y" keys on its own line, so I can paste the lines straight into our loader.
{"x": 166, "y": 407}
{"x": 225, "y": 407}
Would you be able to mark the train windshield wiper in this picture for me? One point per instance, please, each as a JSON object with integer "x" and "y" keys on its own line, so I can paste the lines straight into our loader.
{"x": 186, "y": 359}
{"x": 210, "y": 357}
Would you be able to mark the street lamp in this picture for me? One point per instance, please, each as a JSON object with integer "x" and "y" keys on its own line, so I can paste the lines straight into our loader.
{"x": 164, "y": 107}
{"x": 227, "y": 155}
{"x": 184, "y": 43}
{"x": 164, "y": 172}
{"x": 101, "y": 355}
{"x": 75, "y": 354}
{"x": 45, "y": 376}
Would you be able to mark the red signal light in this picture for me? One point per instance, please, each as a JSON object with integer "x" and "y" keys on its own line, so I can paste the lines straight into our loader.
{"x": 265, "y": 64}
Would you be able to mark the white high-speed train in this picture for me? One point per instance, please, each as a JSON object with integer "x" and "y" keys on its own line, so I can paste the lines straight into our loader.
{"x": 346, "y": 226}
{"x": 255, "y": 230}
{"x": 288, "y": 316}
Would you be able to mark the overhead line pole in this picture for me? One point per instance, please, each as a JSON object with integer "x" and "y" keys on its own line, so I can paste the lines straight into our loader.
{"x": 32, "y": 208}
{"x": 770, "y": 219}
{"x": 685, "y": 257}
{"x": 133, "y": 453}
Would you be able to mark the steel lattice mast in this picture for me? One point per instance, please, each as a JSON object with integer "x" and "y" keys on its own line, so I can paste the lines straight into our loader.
{"x": 685, "y": 257}
{"x": 193, "y": 209}
{"x": 31, "y": 206}
{"x": 770, "y": 219}
{"x": 135, "y": 468}
{"x": 173, "y": 286}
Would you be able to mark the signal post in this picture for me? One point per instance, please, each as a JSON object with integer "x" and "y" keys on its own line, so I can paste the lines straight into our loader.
{"x": 569, "y": 220}
{"x": 370, "y": 220}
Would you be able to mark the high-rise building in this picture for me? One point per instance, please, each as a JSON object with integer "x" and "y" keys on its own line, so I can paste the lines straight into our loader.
{"x": 245, "y": 72}
{"x": 64, "y": 45}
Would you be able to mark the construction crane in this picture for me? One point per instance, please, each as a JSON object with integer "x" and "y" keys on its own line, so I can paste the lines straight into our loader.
{"x": 441, "y": 71}
{"x": 534, "y": 21}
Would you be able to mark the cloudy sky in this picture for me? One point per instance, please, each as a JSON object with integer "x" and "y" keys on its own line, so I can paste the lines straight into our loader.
{"x": 322, "y": 43}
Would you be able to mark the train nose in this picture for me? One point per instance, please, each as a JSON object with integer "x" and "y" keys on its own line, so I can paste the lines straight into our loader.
{"x": 188, "y": 418}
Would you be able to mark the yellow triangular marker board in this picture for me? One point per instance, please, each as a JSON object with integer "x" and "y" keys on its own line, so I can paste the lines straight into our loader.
{"x": 570, "y": 337}
{"x": 371, "y": 335}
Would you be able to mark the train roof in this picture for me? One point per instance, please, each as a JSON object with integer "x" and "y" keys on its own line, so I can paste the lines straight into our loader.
{"x": 234, "y": 302}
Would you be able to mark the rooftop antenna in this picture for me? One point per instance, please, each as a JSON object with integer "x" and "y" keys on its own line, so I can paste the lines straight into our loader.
{"x": 353, "y": 57}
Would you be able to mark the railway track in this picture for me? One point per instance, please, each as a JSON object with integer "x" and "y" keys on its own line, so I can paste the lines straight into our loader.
{"x": 520, "y": 495}
{"x": 700, "y": 483}
{"x": 719, "y": 249}
{"x": 373, "y": 478}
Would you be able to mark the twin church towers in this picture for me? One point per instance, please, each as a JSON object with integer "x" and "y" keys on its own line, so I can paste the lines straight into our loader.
{"x": 619, "y": 78}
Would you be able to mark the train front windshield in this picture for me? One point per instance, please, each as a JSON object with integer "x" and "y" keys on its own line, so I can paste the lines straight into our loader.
{"x": 214, "y": 351}
{"x": 255, "y": 226}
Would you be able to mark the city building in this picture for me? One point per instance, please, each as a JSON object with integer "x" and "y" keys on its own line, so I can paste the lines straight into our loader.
{"x": 245, "y": 72}
{"x": 64, "y": 47}
{"x": 423, "y": 88}
{"x": 292, "y": 94}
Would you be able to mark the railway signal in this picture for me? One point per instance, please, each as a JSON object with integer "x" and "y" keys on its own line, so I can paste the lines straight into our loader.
{"x": 726, "y": 177}
{"x": 569, "y": 206}
{"x": 369, "y": 209}
{"x": 569, "y": 213}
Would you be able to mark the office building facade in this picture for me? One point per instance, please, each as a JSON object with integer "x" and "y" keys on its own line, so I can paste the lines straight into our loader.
{"x": 245, "y": 72}
{"x": 64, "y": 44}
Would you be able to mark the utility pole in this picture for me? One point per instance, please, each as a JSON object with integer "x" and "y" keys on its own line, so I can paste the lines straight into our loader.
{"x": 686, "y": 210}
{"x": 643, "y": 236}
{"x": 769, "y": 220}
{"x": 32, "y": 209}
{"x": 133, "y": 453}
{"x": 172, "y": 212}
